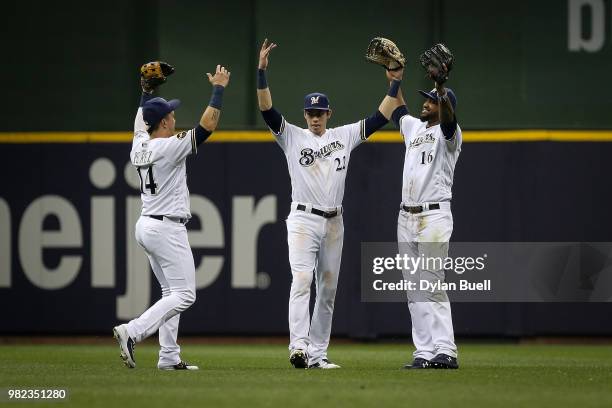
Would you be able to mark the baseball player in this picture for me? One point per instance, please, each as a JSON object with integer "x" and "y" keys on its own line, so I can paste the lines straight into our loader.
{"x": 318, "y": 159}
{"x": 158, "y": 154}
{"x": 425, "y": 222}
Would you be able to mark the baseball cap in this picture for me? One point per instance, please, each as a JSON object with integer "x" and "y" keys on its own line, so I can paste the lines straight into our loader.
{"x": 433, "y": 94}
{"x": 154, "y": 110}
{"x": 316, "y": 100}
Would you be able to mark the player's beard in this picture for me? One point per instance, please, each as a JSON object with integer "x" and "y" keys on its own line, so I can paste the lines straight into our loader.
{"x": 425, "y": 118}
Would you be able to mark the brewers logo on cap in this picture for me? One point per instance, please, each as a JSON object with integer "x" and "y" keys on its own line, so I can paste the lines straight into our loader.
{"x": 316, "y": 100}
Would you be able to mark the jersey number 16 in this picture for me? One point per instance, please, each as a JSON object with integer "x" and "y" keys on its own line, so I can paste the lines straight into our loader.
{"x": 426, "y": 159}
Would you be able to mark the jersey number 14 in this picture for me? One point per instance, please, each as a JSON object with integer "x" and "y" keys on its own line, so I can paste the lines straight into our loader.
{"x": 148, "y": 183}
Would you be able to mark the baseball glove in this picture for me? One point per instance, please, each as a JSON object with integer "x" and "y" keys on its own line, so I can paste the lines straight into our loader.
{"x": 434, "y": 60}
{"x": 153, "y": 74}
{"x": 383, "y": 51}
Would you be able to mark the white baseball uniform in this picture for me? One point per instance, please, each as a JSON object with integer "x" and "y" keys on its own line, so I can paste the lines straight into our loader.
{"x": 317, "y": 167}
{"x": 160, "y": 163}
{"x": 429, "y": 165}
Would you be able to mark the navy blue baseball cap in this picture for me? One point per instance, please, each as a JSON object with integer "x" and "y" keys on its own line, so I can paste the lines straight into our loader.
{"x": 316, "y": 100}
{"x": 433, "y": 94}
{"x": 154, "y": 110}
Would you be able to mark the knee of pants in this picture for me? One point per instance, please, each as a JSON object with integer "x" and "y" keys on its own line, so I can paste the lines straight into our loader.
{"x": 326, "y": 295}
{"x": 301, "y": 282}
{"x": 439, "y": 296}
{"x": 187, "y": 298}
{"x": 327, "y": 288}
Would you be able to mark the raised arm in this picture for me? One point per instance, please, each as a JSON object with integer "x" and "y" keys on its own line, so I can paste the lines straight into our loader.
{"x": 395, "y": 97}
{"x": 147, "y": 93}
{"x": 264, "y": 98}
{"x": 212, "y": 113}
{"x": 210, "y": 117}
{"x": 388, "y": 105}
{"x": 448, "y": 120}
{"x": 140, "y": 127}
{"x": 152, "y": 75}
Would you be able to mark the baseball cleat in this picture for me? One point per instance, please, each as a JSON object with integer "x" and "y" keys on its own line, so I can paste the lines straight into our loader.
{"x": 180, "y": 366}
{"x": 298, "y": 358}
{"x": 444, "y": 361}
{"x": 324, "y": 364}
{"x": 126, "y": 345}
{"x": 418, "y": 363}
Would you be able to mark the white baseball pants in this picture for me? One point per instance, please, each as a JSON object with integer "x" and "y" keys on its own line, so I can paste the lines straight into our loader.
{"x": 315, "y": 248}
{"x": 428, "y": 234}
{"x": 166, "y": 245}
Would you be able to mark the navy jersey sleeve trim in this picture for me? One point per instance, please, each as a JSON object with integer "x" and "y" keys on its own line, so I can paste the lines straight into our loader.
{"x": 274, "y": 120}
{"x": 199, "y": 135}
{"x": 194, "y": 146}
{"x": 398, "y": 113}
{"x": 449, "y": 129}
{"x": 372, "y": 123}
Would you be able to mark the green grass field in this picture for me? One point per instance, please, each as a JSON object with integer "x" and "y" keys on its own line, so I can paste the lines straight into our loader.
{"x": 260, "y": 375}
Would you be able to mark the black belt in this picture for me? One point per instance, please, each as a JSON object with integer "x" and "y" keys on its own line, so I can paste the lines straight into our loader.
{"x": 161, "y": 218}
{"x": 316, "y": 211}
{"x": 419, "y": 208}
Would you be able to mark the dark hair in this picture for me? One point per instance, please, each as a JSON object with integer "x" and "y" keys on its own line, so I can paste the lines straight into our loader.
{"x": 153, "y": 128}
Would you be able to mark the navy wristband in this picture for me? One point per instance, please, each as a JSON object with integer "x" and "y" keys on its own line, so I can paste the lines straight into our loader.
{"x": 394, "y": 88}
{"x": 216, "y": 100}
{"x": 262, "y": 83}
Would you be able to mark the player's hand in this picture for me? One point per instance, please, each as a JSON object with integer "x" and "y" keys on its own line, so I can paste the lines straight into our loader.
{"x": 221, "y": 76}
{"x": 396, "y": 74}
{"x": 266, "y": 48}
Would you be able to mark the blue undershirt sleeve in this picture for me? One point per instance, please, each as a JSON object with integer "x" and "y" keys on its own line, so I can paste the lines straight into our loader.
{"x": 145, "y": 97}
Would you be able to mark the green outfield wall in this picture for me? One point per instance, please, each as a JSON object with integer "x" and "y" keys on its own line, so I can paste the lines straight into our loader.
{"x": 519, "y": 64}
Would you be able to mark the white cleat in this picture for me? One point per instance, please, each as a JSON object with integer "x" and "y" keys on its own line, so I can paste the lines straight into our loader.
{"x": 324, "y": 364}
{"x": 126, "y": 345}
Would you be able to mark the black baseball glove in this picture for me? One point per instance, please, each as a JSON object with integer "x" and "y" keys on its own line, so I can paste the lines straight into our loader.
{"x": 383, "y": 51}
{"x": 434, "y": 61}
{"x": 153, "y": 74}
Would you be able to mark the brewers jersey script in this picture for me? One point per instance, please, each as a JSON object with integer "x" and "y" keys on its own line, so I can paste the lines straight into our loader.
{"x": 430, "y": 161}
{"x": 162, "y": 170}
{"x": 318, "y": 164}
